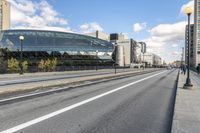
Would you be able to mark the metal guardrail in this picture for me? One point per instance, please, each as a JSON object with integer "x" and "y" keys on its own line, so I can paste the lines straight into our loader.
{"x": 193, "y": 69}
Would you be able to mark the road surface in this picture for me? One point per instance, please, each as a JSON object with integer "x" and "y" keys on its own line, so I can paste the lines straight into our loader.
{"x": 139, "y": 104}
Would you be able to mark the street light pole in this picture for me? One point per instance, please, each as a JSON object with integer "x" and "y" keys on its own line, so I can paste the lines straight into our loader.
{"x": 97, "y": 60}
{"x": 21, "y": 38}
{"x": 143, "y": 60}
{"x": 115, "y": 64}
{"x": 182, "y": 57}
{"x": 188, "y": 84}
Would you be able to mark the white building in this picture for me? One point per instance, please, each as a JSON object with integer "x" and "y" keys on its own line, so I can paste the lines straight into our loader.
{"x": 128, "y": 51}
{"x": 152, "y": 59}
{"x": 100, "y": 35}
{"x": 125, "y": 45}
{"x": 4, "y": 15}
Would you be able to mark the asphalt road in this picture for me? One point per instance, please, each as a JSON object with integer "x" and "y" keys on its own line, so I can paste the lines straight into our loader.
{"x": 38, "y": 78}
{"x": 139, "y": 104}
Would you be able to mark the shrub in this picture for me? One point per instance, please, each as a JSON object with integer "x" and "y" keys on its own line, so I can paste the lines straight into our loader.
{"x": 25, "y": 65}
{"x": 41, "y": 65}
{"x": 47, "y": 65}
{"x": 54, "y": 63}
{"x": 13, "y": 65}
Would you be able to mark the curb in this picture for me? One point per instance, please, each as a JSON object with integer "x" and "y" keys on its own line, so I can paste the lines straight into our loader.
{"x": 174, "y": 106}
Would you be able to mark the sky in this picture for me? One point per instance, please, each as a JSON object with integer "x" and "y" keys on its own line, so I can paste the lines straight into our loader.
{"x": 160, "y": 23}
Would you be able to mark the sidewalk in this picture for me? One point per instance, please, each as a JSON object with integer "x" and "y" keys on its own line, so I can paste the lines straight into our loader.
{"x": 187, "y": 107}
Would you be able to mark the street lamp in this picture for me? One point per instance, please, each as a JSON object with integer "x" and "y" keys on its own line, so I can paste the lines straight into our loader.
{"x": 115, "y": 54}
{"x": 188, "y": 85}
{"x": 182, "y": 56}
{"x": 21, "y": 38}
{"x": 97, "y": 60}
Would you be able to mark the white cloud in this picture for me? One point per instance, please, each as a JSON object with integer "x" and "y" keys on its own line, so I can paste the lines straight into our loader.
{"x": 166, "y": 33}
{"x": 174, "y": 45}
{"x": 163, "y": 35}
{"x": 137, "y": 27}
{"x": 36, "y": 15}
{"x": 90, "y": 27}
{"x": 48, "y": 28}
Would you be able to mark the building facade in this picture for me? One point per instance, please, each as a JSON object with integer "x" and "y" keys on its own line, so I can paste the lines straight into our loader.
{"x": 100, "y": 35}
{"x": 152, "y": 59}
{"x": 197, "y": 33}
{"x": 4, "y": 15}
{"x": 128, "y": 51}
{"x": 39, "y": 44}
{"x": 192, "y": 46}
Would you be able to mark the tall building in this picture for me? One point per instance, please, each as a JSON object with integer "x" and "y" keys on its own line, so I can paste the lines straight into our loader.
{"x": 197, "y": 33}
{"x": 4, "y": 15}
{"x": 192, "y": 46}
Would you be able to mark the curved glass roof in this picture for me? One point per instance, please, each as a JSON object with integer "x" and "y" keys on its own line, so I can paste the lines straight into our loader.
{"x": 38, "y": 40}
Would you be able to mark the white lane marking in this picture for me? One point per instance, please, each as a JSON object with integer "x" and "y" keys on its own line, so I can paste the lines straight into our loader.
{"x": 45, "y": 117}
{"x": 34, "y": 94}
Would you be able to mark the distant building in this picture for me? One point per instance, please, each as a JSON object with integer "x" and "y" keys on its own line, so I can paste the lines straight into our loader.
{"x": 157, "y": 60}
{"x": 152, "y": 59}
{"x": 143, "y": 51}
{"x": 123, "y": 49}
{"x": 4, "y": 15}
{"x": 148, "y": 58}
{"x": 128, "y": 51}
{"x": 192, "y": 48}
{"x": 120, "y": 37}
{"x": 99, "y": 35}
{"x": 197, "y": 33}
{"x": 178, "y": 63}
{"x": 143, "y": 47}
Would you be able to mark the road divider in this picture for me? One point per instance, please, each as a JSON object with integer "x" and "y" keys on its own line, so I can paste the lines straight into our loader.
{"x": 13, "y": 93}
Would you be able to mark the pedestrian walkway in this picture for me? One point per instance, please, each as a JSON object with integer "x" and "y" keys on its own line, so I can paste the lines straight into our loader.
{"x": 187, "y": 106}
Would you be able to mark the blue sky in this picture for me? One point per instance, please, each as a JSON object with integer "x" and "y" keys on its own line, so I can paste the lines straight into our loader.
{"x": 156, "y": 20}
{"x": 119, "y": 15}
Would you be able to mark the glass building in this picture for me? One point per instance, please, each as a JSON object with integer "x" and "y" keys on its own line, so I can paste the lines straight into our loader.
{"x": 39, "y": 44}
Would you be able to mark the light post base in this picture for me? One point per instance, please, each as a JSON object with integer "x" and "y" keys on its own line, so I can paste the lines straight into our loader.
{"x": 21, "y": 72}
{"x": 188, "y": 85}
